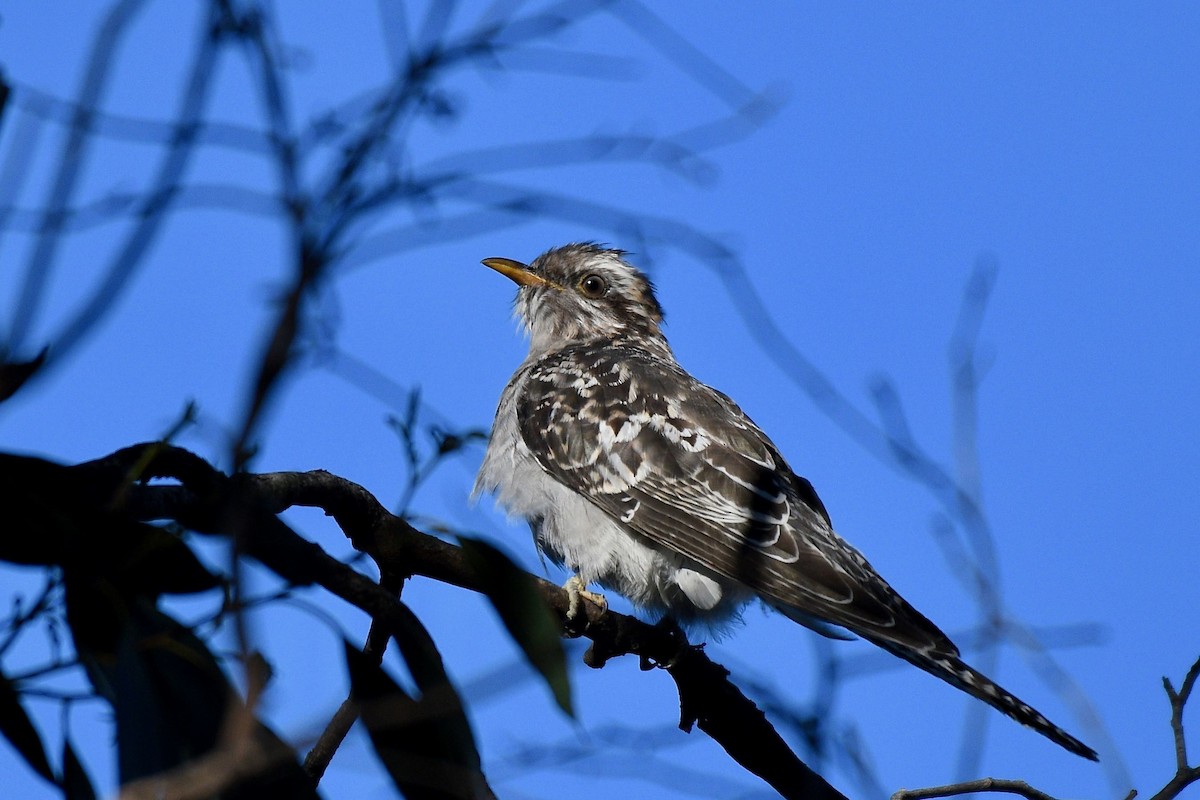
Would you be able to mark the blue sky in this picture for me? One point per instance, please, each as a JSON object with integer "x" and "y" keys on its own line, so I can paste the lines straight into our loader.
{"x": 910, "y": 142}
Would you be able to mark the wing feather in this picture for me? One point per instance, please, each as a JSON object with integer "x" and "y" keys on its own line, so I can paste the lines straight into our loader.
{"x": 680, "y": 464}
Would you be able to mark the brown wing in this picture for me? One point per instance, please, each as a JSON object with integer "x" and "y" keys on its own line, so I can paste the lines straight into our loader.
{"x": 680, "y": 464}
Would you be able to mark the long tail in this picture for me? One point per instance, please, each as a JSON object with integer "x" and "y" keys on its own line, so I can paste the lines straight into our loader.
{"x": 955, "y": 672}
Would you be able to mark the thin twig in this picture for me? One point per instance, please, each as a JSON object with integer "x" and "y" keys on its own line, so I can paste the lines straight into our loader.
{"x": 327, "y": 744}
{"x": 1185, "y": 775}
{"x": 16, "y": 623}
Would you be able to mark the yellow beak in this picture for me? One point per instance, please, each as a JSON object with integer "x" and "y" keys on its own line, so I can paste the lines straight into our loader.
{"x": 516, "y": 271}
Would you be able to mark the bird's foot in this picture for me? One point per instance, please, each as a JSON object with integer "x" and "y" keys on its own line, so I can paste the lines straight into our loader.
{"x": 577, "y": 592}
{"x": 679, "y": 643}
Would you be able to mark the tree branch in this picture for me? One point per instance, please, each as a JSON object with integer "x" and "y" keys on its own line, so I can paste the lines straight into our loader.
{"x": 206, "y": 497}
{"x": 982, "y": 785}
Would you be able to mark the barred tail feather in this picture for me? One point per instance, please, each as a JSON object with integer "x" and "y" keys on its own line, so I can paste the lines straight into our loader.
{"x": 955, "y": 672}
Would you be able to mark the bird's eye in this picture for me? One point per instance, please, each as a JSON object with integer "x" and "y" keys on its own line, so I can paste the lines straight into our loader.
{"x": 593, "y": 286}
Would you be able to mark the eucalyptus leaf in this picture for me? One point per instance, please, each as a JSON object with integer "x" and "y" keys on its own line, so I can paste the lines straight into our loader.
{"x": 18, "y": 728}
{"x": 529, "y": 620}
{"x": 425, "y": 758}
{"x": 75, "y": 782}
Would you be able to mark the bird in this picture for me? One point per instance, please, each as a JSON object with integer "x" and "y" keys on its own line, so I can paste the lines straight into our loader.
{"x": 641, "y": 479}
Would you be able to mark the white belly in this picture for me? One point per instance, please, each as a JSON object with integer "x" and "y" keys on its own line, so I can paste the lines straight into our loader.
{"x": 573, "y": 532}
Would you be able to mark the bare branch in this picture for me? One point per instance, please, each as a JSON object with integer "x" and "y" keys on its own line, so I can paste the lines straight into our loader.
{"x": 1185, "y": 775}
{"x": 692, "y": 60}
{"x": 70, "y": 167}
{"x": 45, "y": 106}
{"x": 151, "y": 209}
{"x": 21, "y": 617}
{"x": 119, "y": 206}
{"x": 982, "y": 785}
{"x": 207, "y": 499}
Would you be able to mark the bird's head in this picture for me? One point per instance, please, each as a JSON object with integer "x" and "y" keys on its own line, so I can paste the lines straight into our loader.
{"x": 583, "y": 292}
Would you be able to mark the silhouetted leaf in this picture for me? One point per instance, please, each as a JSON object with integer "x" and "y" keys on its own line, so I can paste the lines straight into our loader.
{"x": 5, "y": 90}
{"x": 75, "y": 783}
{"x": 440, "y": 703}
{"x": 14, "y": 374}
{"x": 19, "y": 730}
{"x": 37, "y": 522}
{"x": 170, "y": 695}
{"x": 424, "y": 663}
{"x": 282, "y": 778}
{"x": 410, "y": 738}
{"x": 529, "y": 620}
{"x": 62, "y": 516}
{"x": 158, "y": 562}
